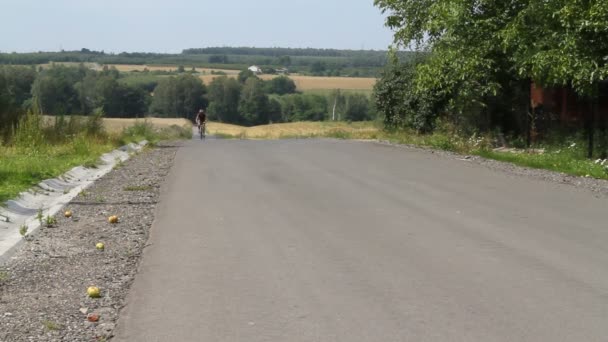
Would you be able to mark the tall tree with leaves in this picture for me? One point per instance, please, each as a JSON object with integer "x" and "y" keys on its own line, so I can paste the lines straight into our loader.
{"x": 224, "y": 95}
{"x": 254, "y": 103}
{"x": 180, "y": 96}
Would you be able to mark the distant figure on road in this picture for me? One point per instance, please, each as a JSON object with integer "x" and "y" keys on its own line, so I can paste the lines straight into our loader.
{"x": 201, "y": 120}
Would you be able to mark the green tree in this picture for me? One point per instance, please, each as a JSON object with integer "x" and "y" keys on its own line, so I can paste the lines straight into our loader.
{"x": 318, "y": 68}
{"x": 358, "y": 108}
{"x": 284, "y": 61}
{"x": 281, "y": 85}
{"x": 53, "y": 90}
{"x": 245, "y": 75}
{"x": 254, "y": 103}
{"x": 180, "y": 96}
{"x": 303, "y": 107}
{"x": 224, "y": 95}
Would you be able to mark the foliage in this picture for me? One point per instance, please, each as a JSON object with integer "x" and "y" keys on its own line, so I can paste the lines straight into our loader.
{"x": 562, "y": 42}
{"x": 254, "y": 103}
{"x": 304, "y": 107}
{"x": 357, "y": 108}
{"x": 180, "y": 96}
{"x": 403, "y": 104}
{"x": 224, "y": 95}
{"x": 281, "y": 85}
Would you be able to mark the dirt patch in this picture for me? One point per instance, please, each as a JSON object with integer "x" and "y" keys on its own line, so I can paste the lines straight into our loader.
{"x": 43, "y": 288}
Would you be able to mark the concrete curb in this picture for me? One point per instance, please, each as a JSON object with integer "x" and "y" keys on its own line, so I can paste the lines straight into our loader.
{"x": 50, "y": 196}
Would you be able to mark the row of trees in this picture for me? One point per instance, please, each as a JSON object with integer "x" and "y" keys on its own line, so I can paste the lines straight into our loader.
{"x": 249, "y": 100}
{"x": 480, "y": 59}
{"x": 246, "y": 100}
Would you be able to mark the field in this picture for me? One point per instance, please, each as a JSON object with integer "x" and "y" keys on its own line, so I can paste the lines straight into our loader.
{"x": 318, "y": 84}
{"x": 367, "y": 130}
{"x": 129, "y": 68}
{"x": 118, "y": 125}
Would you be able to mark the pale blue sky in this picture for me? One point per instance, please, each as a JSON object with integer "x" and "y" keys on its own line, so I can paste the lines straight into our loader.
{"x": 172, "y": 25}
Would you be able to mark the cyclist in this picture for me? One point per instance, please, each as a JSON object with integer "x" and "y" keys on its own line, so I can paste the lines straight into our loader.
{"x": 201, "y": 119}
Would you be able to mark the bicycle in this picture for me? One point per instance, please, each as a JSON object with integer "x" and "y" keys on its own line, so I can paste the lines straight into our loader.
{"x": 201, "y": 130}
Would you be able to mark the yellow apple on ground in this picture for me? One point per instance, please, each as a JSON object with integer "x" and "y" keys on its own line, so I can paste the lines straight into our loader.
{"x": 113, "y": 219}
{"x": 68, "y": 213}
{"x": 100, "y": 246}
{"x": 93, "y": 292}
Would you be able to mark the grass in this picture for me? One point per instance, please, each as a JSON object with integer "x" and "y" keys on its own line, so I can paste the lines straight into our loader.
{"x": 20, "y": 170}
{"x": 137, "y": 188}
{"x": 568, "y": 157}
{"x": 560, "y": 161}
{"x": 51, "y": 326}
{"x": 40, "y": 152}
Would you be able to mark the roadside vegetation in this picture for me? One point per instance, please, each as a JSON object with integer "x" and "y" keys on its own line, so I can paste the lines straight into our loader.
{"x": 39, "y": 149}
{"x": 486, "y": 75}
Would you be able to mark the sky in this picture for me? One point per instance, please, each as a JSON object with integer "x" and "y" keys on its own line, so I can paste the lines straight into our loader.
{"x": 168, "y": 26}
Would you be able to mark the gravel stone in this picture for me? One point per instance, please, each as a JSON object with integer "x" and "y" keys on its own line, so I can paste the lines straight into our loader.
{"x": 43, "y": 291}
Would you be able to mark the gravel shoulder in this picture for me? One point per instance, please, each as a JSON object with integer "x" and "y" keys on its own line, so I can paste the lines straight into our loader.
{"x": 43, "y": 288}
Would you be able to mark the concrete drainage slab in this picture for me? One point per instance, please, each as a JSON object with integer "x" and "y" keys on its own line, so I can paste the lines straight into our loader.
{"x": 50, "y": 196}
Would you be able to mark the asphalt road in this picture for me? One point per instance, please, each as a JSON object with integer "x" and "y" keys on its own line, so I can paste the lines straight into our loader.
{"x": 305, "y": 240}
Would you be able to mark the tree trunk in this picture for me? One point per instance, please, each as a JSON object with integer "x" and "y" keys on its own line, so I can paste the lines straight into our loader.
{"x": 333, "y": 114}
{"x": 529, "y": 114}
{"x": 590, "y": 128}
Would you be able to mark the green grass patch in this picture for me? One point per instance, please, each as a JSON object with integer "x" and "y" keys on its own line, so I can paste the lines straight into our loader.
{"x": 22, "y": 169}
{"x": 559, "y": 161}
{"x": 51, "y": 326}
{"x": 39, "y": 150}
{"x": 137, "y": 188}
{"x": 568, "y": 156}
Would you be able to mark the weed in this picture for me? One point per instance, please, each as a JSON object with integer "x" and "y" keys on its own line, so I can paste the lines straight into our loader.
{"x": 4, "y": 275}
{"x": 90, "y": 164}
{"x": 40, "y": 215}
{"x": 51, "y": 326}
{"x": 83, "y": 193}
{"x": 99, "y": 199}
{"x": 50, "y": 221}
{"x": 137, "y": 188}
{"x": 23, "y": 230}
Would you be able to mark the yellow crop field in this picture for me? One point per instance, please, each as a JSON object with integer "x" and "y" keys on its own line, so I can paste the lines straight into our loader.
{"x": 117, "y": 125}
{"x": 304, "y": 83}
{"x": 129, "y": 68}
{"x": 363, "y": 130}
{"x": 309, "y": 83}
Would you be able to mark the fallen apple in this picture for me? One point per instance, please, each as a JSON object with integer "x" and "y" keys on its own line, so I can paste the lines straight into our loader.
{"x": 113, "y": 219}
{"x": 93, "y": 317}
{"x": 68, "y": 213}
{"x": 100, "y": 246}
{"x": 93, "y": 292}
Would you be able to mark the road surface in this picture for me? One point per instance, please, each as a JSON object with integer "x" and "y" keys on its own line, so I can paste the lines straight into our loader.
{"x": 312, "y": 240}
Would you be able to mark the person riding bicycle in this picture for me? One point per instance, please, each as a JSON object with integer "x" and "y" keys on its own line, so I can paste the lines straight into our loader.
{"x": 201, "y": 118}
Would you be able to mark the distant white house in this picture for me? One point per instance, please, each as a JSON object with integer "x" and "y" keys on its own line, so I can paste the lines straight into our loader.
{"x": 255, "y": 69}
